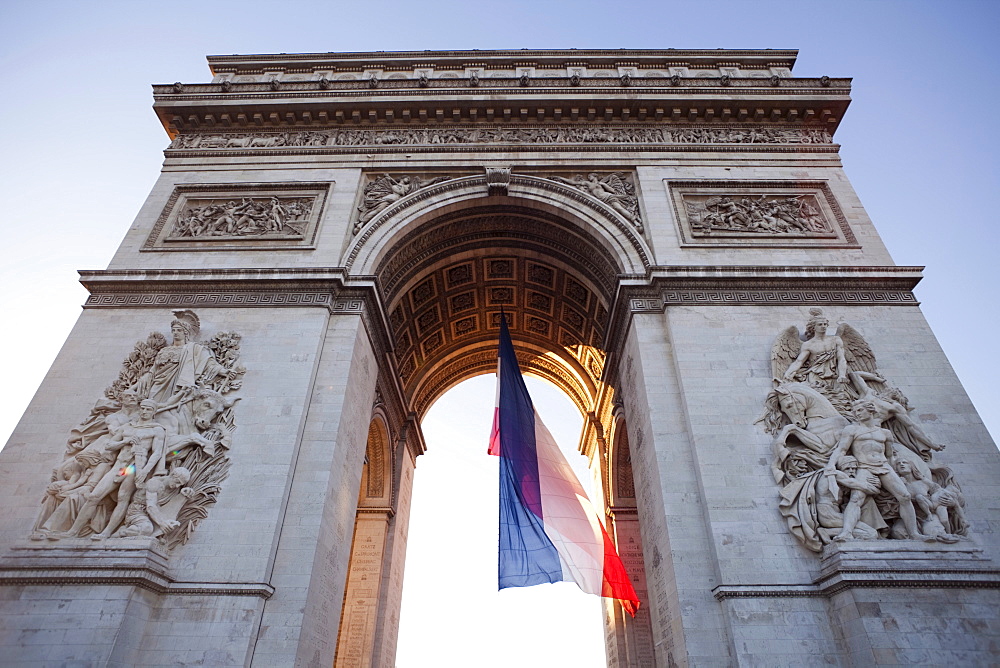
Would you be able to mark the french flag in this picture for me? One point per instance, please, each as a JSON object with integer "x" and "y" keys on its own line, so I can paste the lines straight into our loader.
{"x": 549, "y": 531}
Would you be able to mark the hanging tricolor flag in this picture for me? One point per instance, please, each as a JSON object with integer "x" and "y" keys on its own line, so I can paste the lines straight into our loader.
{"x": 549, "y": 531}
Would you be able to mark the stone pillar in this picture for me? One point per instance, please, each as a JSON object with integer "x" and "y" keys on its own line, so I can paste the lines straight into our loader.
{"x": 689, "y": 628}
{"x": 395, "y": 558}
{"x": 356, "y": 645}
{"x": 299, "y": 624}
{"x": 638, "y": 630}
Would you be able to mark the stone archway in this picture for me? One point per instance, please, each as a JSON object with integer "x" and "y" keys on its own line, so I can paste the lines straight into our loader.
{"x": 448, "y": 266}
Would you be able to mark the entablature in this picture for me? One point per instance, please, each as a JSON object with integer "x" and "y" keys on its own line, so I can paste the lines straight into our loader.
{"x": 378, "y": 89}
{"x": 646, "y": 59}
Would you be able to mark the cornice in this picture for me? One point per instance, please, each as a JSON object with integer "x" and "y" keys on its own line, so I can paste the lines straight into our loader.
{"x": 757, "y": 285}
{"x": 538, "y": 87}
{"x": 115, "y": 562}
{"x": 645, "y": 57}
{"x": 814, "y": 102}
{"x": 267, "y": 278}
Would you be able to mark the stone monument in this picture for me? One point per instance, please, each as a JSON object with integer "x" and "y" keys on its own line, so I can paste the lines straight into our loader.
{"x": 217, "y": 468}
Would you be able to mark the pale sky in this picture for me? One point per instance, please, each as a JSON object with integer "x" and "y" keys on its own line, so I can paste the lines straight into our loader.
{"x": 82, "y": 148}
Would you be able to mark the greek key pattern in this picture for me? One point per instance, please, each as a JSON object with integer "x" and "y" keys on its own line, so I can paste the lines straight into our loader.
{"x": 347, "y": 306}
{"x": 215, "y": 299}
{"x": 786, "y": 297}
{"x": 646, "y": 306}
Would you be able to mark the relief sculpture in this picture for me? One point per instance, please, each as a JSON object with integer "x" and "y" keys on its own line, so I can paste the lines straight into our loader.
{"x": 384, "y": 191}
{"x": 615, "y": 190}
{"x": 249, "y": 217}
{"x": 590, "y": 134}
{"x": 852, "y": 463}
{"x": 758, "y": 214}
{"x": 149, "y": 459}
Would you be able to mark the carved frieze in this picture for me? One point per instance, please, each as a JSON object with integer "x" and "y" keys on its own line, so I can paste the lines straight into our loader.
{"x": 851, "y": 460}
{"x": 239, "y": 216}
{"x": 791, "y": 215}
{"x": 557, "y": 134}
{"x": 740, "y": 213}
{"x": 271, "y": 217}
{"x": 149, "y": 460}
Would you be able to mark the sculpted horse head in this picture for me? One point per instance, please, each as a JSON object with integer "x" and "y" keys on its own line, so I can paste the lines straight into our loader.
{"x": 802, "y": 404}
{"x": 800, "y": 412}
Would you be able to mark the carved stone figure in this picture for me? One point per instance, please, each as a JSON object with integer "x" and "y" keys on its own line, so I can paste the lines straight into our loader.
{"x": 151, "y": 467}
{"x": 851, "y": 461}
{"x": 140, "y": 450}
{"x": 931, "y": 500}
{"x": 761, "y": 214}
{"x": 145, "y": 516}
{"x": 385, "y": 191}
{"x": 820, "y": 361}
{"x": 871, "y": 445}
{"x": 250, "y": 217}
{"x": 615, "y": 190}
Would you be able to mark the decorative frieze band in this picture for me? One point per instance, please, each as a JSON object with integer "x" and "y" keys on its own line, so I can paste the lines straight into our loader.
{"x": 787, "y": 297}
{"x": 889, "y": 578}
{"x": 722, "y": 297}
{"x": 441, "y": 137}
{"x": 144, "y": 578}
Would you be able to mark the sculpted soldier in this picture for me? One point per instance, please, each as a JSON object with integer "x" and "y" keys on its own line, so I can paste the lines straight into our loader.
{"x": 140, "y": 451}
{"x": 146, "y": 516}
{"x": 871, "y": 444}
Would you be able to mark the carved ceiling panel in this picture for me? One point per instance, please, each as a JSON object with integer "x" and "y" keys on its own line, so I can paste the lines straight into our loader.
{"x": 449, "y": 282}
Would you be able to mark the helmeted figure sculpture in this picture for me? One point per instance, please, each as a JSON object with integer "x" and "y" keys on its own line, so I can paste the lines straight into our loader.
{"x": 149, "y": 459}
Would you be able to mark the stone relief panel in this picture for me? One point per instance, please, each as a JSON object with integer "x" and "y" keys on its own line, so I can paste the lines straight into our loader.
{"x": 558, "y": 134}
{"x": 149, "y": 460}
{"x": 769, "y": 213}
{"x": 616, "y": 190}
{"x": 383, "y": 190}
{"x": 239, "y": 216}
{"x": 851, "y": 460}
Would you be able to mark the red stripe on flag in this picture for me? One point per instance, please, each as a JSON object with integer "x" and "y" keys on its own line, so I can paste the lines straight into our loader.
{"x": 616, "y": 581}
{"x": 494, "y": 448}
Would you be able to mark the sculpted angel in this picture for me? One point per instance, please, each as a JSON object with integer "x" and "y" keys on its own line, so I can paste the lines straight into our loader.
{"x": 385, "y": 191}
{"x": 613, "y": 190}
{"x": 823, "y": 361}
{"x": 380, "y": 194}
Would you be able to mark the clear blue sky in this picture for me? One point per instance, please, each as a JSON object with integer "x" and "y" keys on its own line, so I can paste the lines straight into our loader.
{"x": 81, "y": 147}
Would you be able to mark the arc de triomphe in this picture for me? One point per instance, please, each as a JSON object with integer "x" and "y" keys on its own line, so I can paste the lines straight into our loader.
{"x": 217, "y": 468}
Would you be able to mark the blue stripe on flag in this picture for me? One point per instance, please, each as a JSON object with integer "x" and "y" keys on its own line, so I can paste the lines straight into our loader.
{"x": 526, "y": 556}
